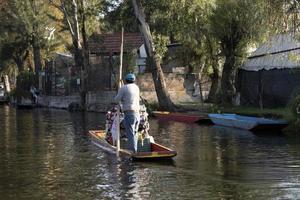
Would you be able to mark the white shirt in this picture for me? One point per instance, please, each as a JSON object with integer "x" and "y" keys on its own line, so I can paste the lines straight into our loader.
{"x": 129, "y": 95}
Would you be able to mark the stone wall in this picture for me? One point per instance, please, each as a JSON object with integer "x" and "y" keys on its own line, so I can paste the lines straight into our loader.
{"x": 180, "y": 87}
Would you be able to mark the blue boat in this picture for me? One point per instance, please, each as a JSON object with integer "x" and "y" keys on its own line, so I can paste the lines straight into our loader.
{"x": 247, "y": 123}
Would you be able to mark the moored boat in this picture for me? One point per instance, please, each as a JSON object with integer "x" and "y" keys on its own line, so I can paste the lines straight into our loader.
{"x": 26, "y": 103}
{"x": 156, "y": 151}
{"x": 3, "y": 100}
{"x": 247, "y": 123}
{"x": 181, "y": 117}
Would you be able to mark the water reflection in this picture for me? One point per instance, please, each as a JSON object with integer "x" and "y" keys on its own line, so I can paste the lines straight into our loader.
{"x": 47, "y": 154}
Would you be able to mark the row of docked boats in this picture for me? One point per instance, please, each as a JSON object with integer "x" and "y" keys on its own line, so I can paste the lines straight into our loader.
{"x": 228, "y": 120}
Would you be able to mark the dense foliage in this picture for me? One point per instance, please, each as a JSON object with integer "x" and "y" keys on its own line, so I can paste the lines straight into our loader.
{"x": 295, "y": 110}
{"x": 215, "y": 34}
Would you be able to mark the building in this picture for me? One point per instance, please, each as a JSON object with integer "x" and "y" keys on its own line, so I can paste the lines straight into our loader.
{"x": 105, "y": 50}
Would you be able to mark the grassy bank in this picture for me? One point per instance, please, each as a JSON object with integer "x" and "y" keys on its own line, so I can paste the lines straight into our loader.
{"x": 275, "y": 113}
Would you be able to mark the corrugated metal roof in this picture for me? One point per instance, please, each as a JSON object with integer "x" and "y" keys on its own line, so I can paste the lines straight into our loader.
{"x": 281, "y": 51}
{"x": 111, "y": 43}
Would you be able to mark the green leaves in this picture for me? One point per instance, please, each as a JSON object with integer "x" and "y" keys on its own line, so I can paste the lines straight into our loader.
{"x": 25, "y": 26}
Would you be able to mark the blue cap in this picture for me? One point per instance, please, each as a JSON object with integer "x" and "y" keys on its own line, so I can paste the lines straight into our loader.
{"x": 130, "y": 77}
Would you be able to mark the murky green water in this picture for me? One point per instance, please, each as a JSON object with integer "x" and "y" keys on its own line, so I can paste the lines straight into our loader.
{"x": 47, "y": 154}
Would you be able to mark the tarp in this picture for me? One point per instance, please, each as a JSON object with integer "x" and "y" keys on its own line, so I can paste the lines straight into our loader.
{"x": 271, "y": 75}
{"x": 272, "y": 88}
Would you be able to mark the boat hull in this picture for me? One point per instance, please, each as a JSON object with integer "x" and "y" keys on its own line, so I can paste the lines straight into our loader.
{"x": 247, "y": 123}
{"x": 181, "y": 117}
{"x": 157, "y": 151}
{"x": 3, "y": 99}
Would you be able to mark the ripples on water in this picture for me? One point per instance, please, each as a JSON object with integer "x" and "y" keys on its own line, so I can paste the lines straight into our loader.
{"x": 46, "y": 154}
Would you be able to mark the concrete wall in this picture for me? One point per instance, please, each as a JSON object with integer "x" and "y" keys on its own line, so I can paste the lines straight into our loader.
{"x": 62, "y": 102}
{"x": 96, "y": 101}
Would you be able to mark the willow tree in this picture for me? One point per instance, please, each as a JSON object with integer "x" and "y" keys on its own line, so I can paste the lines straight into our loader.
{"x": 235, "y": 30}
{"x": 187, "y": 22}
{"x": 164, "y": 100}
{"x": 283, "y": 16}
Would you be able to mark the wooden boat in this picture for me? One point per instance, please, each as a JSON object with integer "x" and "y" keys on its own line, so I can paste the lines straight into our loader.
{"x": 3, "y": 100}
{"x": 247, "y": 123}
{"x": 157, "y": 151}
{"x": 25, "y": 103}
{"x": 181, "y": 117}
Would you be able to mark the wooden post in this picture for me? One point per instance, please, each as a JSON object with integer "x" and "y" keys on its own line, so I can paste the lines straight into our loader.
{"x": 119, "y": 86}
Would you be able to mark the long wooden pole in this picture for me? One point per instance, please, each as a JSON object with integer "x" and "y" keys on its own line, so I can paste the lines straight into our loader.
{"x": 119, "y": 86}
{"x": 121, "y": 58}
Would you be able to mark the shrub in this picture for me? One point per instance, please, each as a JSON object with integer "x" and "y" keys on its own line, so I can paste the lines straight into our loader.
{"x": 24, "y": 81}
{"x": 295, "y": 110}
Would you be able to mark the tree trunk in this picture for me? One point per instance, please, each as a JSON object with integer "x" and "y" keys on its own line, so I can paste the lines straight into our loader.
{"x": 163, "y": 96}
{"x": 215, "y": 77}
{"x": 36, "y": 42}
{"x": 85, "y": 55}
{"x": 37, "y": 55}
{"x": 78, "y": 52}
{"x": 37, "y": 59}
{"x": 19, "y": 59}
{"x": 227, "y": 81}
{"x": 20, "y": 64}
{"x": 215, "y": 82}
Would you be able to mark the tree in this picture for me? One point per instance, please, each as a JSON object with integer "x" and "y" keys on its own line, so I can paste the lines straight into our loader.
{"x": 24, "y": 26}
{"x": 163, "y": 96}
{"x": 77, "y": 16}
{"x": 200, "y": 49}
{"x": 15, "y": 40}
{"x": 282, "y": 16}
{"x": 235, "y": 30}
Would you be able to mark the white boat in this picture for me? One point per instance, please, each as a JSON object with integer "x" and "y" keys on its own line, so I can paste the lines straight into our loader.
{"x": 247, "y": 123}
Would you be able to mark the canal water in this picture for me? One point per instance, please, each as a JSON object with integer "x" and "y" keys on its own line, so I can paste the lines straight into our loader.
{"x": 47, "y": 154}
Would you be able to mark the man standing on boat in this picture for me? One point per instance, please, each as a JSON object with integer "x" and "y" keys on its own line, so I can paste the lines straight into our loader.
{"x": 129, "y": 95}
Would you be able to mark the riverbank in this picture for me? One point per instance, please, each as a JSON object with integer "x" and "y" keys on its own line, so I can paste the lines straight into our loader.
{"x": 101, "y": 102}
{"x": 274, "y": 113}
